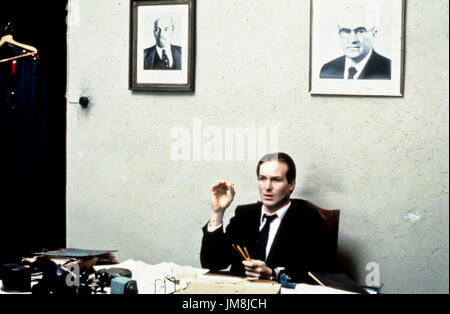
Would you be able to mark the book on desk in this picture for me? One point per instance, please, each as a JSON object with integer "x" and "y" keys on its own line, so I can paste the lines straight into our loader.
{"x": 103, "y": 256}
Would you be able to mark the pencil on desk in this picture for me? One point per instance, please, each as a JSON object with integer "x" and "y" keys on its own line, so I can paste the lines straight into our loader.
{"x": 315, "y": 278}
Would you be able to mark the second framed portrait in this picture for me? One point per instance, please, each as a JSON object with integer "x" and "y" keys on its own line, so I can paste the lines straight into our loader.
{"x": 357, "y": 47}
{"x": 162, "y": 45}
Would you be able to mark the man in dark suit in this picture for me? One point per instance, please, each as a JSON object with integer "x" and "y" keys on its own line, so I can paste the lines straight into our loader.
{"x": 281, "y": 234}
{"x": 163, "y": 55}
{"x": 357, "y": 31}
{"x": 376, "y": 68}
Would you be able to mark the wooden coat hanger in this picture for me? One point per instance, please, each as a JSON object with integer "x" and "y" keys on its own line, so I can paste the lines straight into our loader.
{"x": 8, "y": 39}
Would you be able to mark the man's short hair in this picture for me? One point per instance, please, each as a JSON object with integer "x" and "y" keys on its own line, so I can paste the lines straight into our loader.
{"x": 291, "y": 173}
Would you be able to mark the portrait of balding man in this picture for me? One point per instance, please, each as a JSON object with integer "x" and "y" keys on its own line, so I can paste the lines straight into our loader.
{"x": 357, "y": 30}
{"x": 164, "y": 55}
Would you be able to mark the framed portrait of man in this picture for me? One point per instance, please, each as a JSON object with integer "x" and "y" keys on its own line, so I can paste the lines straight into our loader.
{"x": 357, "y": 47}
{"x": 162, "y": 45}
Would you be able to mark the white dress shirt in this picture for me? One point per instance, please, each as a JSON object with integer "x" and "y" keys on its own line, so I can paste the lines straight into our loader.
{"x": 274, "y": 225}
{"x": 358, "y": 66}
{"x": 168, "y": 53}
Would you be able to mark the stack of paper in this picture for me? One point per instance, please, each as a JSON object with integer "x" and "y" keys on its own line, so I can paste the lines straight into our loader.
{"x": 311, "y": 289}
{"x": 229, "y": 285}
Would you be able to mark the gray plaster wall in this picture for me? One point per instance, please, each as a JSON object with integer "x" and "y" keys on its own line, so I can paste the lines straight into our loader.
{"x": 382, "y": 161}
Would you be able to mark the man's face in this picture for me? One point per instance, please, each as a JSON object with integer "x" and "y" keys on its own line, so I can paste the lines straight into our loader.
{"x": 357, "y": 37}
{"x": 163, "y": 31}
{"x": 274, "y": 189}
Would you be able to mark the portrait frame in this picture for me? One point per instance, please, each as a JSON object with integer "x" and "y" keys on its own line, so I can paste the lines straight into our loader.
{"x": 145, "y": 72}
{"x": 383, "y": 76}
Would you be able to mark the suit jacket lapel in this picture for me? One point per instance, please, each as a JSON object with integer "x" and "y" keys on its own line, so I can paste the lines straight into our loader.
{"x": 282, "y": 235}
{"x": 367, "y": 68}
{"x": 341, "y": 67}
{"x": 149, "y": 58}
{"x": 176, "y": 58}
{"x": 255, "y": 221}
{"x": 152, "y": 57}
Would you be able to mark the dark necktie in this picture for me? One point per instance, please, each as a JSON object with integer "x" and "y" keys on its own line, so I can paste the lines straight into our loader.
{"x": 351, "y": 73}
{"x": 165, "y": 58}
{"x": 261, "y": 242}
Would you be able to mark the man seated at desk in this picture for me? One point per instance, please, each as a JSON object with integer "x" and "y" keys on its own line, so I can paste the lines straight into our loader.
{"x": 280, "y": 234}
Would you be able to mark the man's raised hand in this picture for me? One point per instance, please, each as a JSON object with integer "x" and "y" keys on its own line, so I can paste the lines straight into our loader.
{"x": 222, "y": 194}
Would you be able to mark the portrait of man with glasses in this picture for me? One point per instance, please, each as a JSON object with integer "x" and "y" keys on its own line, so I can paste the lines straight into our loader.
{"x": 357, "y": 30}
